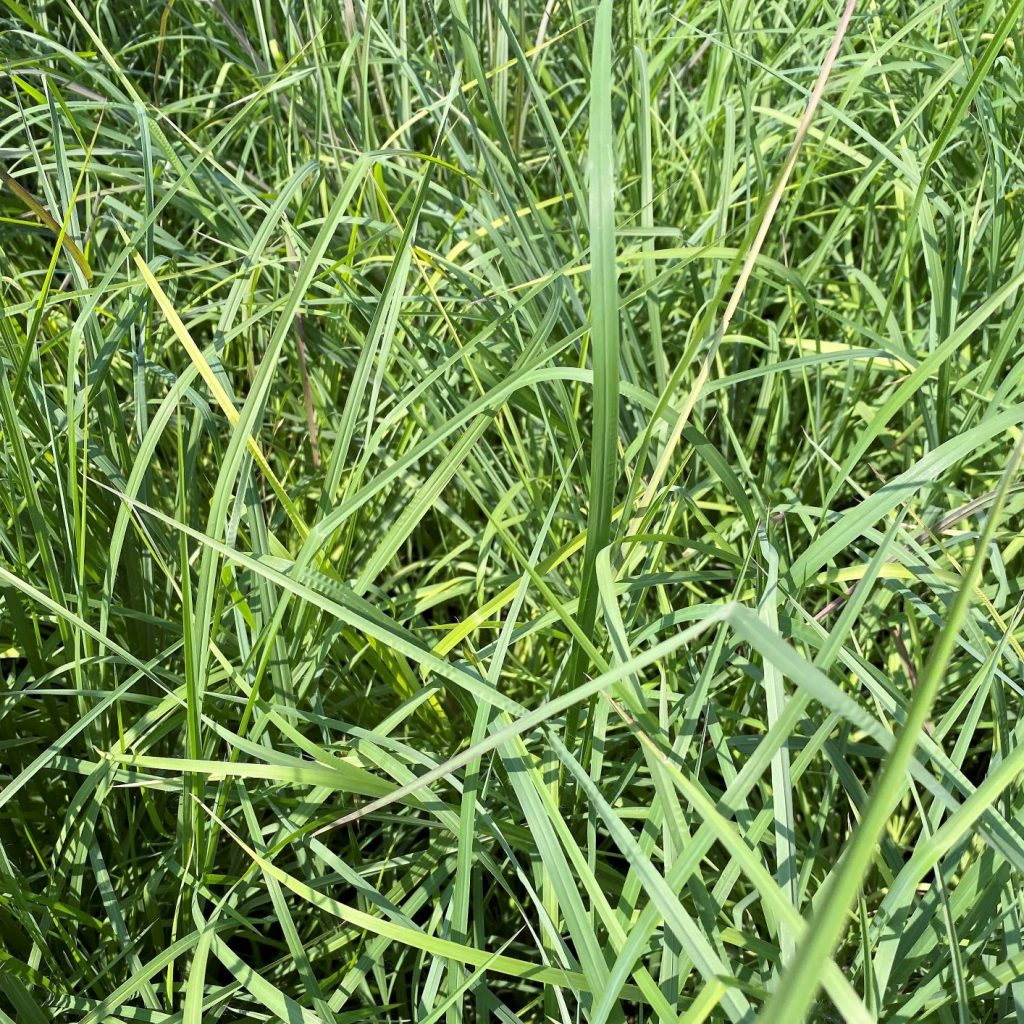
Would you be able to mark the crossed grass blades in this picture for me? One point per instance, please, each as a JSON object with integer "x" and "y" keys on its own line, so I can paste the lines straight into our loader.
{"x": 510, "y": 511}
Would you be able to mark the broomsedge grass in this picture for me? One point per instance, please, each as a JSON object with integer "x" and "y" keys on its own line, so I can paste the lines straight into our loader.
{"x": 511, "y": 512}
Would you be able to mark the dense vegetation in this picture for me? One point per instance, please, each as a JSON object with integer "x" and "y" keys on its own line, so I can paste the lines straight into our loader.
{"x": 510, "y": 511}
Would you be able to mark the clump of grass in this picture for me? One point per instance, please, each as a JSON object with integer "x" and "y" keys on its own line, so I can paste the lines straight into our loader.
{"x": 511, "y": 512}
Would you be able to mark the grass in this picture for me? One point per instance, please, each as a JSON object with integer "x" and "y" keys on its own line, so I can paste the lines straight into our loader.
{"x": 511, "y": 512}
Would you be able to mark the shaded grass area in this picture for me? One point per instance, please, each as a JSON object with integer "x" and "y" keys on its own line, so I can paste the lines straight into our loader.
{"x": 510, "y": 512}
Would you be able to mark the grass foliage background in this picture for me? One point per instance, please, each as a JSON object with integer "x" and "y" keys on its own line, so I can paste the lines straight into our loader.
{"x": 501, "y": 520}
